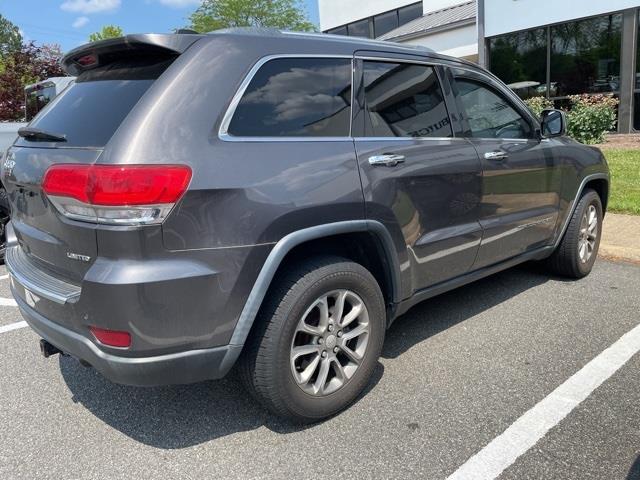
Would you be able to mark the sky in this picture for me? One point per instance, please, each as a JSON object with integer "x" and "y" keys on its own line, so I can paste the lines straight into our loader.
{"x": 69, "y": 22}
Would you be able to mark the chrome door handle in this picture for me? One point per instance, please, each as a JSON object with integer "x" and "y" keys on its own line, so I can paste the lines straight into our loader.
{"x": 387, "y": 160}
{"x": 497, "y": 155}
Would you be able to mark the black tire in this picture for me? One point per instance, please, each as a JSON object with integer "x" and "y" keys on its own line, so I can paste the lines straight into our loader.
{"x": 565, "y": 260}
{"x": 265, "y": 366}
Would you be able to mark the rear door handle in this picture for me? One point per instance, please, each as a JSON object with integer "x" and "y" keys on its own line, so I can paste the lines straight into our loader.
{"x": 387, "y": 160}
{"x": 498, "y": 155}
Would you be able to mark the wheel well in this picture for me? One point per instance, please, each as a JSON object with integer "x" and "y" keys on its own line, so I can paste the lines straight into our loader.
{"x": 360, "y": 247}
{"x": 601, "y": 187}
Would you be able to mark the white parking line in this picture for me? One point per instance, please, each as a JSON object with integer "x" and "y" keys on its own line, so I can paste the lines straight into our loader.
{"x": 525, "y": 432}
{"x": 7, "y": 302}
{"x": 13, "y": 326}
{"x": 2, "y": 277}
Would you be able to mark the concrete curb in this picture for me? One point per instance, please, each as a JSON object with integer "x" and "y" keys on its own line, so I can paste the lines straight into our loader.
{"x": 621, "y": 238}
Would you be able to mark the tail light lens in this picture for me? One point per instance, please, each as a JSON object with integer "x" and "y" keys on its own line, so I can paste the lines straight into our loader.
{"x": 116, "y": 194}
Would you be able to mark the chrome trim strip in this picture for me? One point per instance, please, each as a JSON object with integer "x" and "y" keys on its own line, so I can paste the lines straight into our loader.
{"x": 585, "y": 180}
{"x": 223, "y": 132}
{"x": 427, "y": 61}
{"x": 230, "y": 138}
{"x": 37, "y": 281}
{"x": 408, "y": 139}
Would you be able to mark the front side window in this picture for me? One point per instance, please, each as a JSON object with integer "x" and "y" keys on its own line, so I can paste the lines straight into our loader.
{"x": 404, "y": 100}
{"x": 489, "y": 113}
{"x": 292, "y": 97}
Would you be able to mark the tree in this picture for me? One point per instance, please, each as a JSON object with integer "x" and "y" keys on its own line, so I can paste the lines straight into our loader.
{"x": 10, "y": 37}
{"x": 283, "y": 14}
{"x": 29, "y": 64}
{"x": 108, "y": 31}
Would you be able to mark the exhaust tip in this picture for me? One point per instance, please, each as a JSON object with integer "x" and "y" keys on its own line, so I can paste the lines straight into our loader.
{"x": 47, "y": 349}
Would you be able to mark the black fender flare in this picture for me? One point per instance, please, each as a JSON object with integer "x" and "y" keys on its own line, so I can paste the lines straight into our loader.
{"x": 287, "y": 243}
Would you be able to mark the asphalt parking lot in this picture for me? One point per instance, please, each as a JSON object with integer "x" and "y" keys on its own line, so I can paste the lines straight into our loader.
{"x": 457, "y": 373}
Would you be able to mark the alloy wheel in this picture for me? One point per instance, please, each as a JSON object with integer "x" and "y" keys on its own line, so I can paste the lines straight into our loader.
{"x": 329, "y": 342}
{"x": 588, "y": 234}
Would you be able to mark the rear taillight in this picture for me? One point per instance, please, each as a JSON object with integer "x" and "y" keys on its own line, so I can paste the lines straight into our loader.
{"x": 116, "y": 194}
{"x": 112, "y": 338}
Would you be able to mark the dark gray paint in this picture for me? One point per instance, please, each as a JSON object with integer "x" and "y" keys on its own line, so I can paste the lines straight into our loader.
{"x": 189, "y": 290}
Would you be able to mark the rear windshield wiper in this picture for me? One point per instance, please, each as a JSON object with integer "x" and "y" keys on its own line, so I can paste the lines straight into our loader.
{"x": 36, "y": 134}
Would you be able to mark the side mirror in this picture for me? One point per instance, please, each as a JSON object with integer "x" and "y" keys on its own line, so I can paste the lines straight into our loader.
{"x": 553, "y": 123}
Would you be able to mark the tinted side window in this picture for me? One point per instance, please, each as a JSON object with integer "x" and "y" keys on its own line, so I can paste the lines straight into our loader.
{"x": 404, "y": 100}
{"x": 490, "y": 115}
{"x": 296, "y": 97}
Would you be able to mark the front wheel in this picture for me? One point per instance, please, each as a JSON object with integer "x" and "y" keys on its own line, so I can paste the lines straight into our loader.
{"x": 317, "y": 340}
{"x": 578, "y": 249}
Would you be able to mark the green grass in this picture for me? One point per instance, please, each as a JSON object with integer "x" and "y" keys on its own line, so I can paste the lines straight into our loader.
{"x": 625, "y": 180}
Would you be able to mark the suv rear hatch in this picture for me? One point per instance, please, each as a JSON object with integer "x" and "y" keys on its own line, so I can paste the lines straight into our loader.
{"x": 74, "y": 128}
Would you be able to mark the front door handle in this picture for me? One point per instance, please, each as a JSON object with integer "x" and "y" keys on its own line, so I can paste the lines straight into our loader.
{"x": 387, "y": 160}
{"x": 498, "y": 155}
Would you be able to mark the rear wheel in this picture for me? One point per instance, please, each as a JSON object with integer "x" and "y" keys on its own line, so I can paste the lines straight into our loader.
{"x": 578, "y": 249}
{"x": 317, "y": 340}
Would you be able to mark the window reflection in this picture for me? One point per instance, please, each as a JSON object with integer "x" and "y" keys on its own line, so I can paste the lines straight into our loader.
{"x": 296, "y": 97}
{"x": 519, "y": 60}
{"x": 585, "y": 56}
{"x": 404, "y": 100}
{"x": 385, "y": 23}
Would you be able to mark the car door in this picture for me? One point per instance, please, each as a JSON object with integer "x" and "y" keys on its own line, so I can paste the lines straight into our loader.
{"x": 419, "y": 180}
{"x": 520, "y": 174}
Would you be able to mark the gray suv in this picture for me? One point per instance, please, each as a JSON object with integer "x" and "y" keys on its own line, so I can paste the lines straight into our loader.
{"x": 273, "y": 201}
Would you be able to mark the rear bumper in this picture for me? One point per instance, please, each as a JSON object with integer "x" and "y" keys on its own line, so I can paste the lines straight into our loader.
{"x": 175, "y": 368}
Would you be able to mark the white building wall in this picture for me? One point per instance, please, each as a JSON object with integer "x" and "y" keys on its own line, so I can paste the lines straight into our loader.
{"x": 503, "y": 16}
{"x": 334, "y": 13}
{"x": 460, "y": 42}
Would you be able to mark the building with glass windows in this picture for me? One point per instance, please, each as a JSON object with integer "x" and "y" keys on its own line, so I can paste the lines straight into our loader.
{"x": 557, "y": 49}
{"x": 544, "y": 48}
{"x": 447, "y": 26}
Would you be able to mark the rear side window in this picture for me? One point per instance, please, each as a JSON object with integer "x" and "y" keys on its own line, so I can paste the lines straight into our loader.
{"x": 293, "y": 97}
{"x": 90, "y": 110}
{"x": 404, "y": 100}
{"x": 489, "y": 113}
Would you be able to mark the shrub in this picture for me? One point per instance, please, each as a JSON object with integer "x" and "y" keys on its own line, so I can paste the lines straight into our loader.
{"x": 538, "y": 104}
{"x": 589, "y": 118}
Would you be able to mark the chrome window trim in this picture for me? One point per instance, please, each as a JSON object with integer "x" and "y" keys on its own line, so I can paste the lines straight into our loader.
{"x": 426, "y": 61}
{"x": 408, "y": 139}
{"x": 223, "y": 131}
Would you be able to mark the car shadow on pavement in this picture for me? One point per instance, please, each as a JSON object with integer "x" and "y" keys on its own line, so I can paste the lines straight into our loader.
{"x": 444, "y": 311}
{"x": 634, "y": 471}
{"x": 177, "y": 416}
{"x": 181, "y": 416}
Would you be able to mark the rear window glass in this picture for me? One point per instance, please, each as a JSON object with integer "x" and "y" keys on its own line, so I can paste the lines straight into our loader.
{"x": 90, "y": 110}
{"x": 296, "y": 97}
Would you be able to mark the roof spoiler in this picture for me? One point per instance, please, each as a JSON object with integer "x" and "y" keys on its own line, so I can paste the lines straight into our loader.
{"x": 88, "y": 56}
